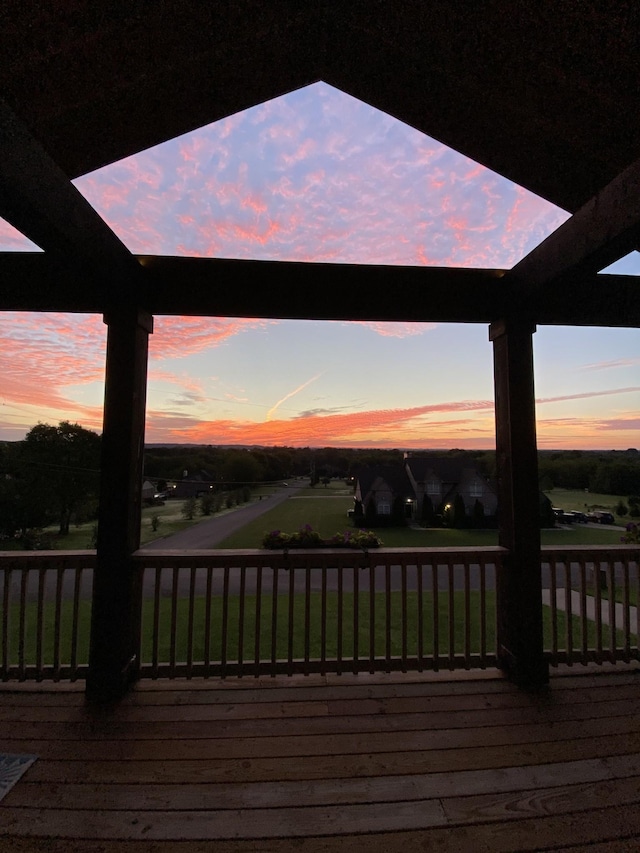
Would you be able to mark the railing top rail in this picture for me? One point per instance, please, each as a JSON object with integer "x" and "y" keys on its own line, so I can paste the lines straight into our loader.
{"x": 145, "y": 553}
{"x": 52, "y": 559}
{"x": 315, "y": 556}
{"x": 595, "y": 550}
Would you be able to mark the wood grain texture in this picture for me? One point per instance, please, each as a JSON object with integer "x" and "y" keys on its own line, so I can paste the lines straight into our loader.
{"x": 308, "y": 764}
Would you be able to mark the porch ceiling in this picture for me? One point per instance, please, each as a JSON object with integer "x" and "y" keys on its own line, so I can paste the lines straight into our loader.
{"x": 546, "y": 96}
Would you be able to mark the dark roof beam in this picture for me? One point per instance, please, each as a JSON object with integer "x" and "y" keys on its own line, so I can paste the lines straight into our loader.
{"x": 291, "y": 290}
{"x": 38, "y": 199}
{"x": 602, "y": 231}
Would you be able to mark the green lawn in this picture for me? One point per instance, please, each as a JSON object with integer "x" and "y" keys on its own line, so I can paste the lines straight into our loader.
{"x": 326, "y": 511}
{"x": 248, "y": 634}
{"x": 583, "y": 501}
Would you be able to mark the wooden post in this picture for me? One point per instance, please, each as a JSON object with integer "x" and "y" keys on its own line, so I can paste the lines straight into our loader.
{"x": 519, "y": 585}
{"x": 117, "y": 589}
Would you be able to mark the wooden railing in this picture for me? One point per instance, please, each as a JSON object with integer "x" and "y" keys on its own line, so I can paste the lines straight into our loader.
{"x": 46, "y": 613}
{"x": 592, "y": 597}
{"x": 208, "y": 613}
{"x": 317, "y": 611}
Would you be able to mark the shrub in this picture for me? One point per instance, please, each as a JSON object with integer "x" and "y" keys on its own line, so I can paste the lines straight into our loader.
{"x": 189, "y": 508}
{"x": 632, "y": 536}
{"x": 306, "y": 537}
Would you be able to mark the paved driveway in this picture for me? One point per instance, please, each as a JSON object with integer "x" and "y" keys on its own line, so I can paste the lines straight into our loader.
{"x": 210, "y": 532}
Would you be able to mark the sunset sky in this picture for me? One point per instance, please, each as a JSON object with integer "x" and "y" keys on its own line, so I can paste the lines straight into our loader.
{"x": 318, "y": 176}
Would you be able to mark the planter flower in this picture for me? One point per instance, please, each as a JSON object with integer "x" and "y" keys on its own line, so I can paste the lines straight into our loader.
{"x": 306, "y": 537}
{"x": 632, "y": 536}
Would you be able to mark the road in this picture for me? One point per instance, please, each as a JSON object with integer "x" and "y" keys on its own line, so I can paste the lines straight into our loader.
{"x": 210, "y": 532}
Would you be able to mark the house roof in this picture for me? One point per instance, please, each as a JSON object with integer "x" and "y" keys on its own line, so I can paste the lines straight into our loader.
{"x": 394, "y": 476}
{"x": 544, "y": 94}
{"x": 448, "y": 469}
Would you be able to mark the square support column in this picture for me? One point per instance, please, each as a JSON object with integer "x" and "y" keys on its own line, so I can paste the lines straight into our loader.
{"x": 519, "y": 583}
{"x": 117, "y": 588}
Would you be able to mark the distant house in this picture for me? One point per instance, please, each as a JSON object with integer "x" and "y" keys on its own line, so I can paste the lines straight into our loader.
{"x": 194, "y": 484}
{"x": 441, "y": 479}
{"x": 423, "y": 488}
{"x": 384, "y": 494}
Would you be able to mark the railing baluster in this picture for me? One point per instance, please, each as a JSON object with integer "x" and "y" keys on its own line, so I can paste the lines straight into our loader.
{"x": 597, "y": 580}
{"x": 22, "y": 633}
{"x": 258, "y": 620}
{"x": 420, "y": 614}
{"x": 356, "y": 623}
{"x": 241, "y": 611}
{"x": 6, "y": 608}
{"x": 387, "y": 604}
{"x": 372, "y": 617}
{"x": 57, "y": 624}
{"x": 73, "y": 675}
{"x": 553, "y": 602}
{"x": 611, "y": 585}
{"x": 208, "y": 605}
{"x": 340, "y": 605}
{"x": 174, "y": 621}
{"x": 626, "y": 605}
{"x": 290, "y": 626}
{"x": 452, "y": 617}
{"x": 307, "y": 617}
{"x": 42, "y": 575}
{"x": 436, "y": 614}
{"x": 467, "y": 614}
{"x": 323, "y": 619}
{"x": 568, "y": 604}
{"x": 275, "y": 578}
{"x": 403, "y": 586}
{"x": 155, "y": 654}
{"x": 190, "y": 616}
{"x": 584, "y": 628}
{"x": 483, "y": 611}
{"x": 225, "y": 622}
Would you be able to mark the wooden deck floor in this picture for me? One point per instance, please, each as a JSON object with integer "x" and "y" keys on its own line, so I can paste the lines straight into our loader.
{"x": 372, "y": 763}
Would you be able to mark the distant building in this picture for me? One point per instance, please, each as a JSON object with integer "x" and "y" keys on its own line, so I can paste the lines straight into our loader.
{"x": 423, "y": 488}
{"x": 193, "y": 485}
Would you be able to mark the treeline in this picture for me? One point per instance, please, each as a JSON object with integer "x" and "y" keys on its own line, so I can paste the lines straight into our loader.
{"x": 614, "y": 472}
{"x": 258, "y": 465}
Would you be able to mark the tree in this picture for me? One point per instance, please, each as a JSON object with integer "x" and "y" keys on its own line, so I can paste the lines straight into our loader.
{"x": 60, "y": 468}
{"x": 189, "y": 508}
{"x": 621, "y": 508}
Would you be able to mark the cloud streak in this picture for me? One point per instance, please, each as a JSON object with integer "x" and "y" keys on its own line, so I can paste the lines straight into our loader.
{"x": 291, "y": 394}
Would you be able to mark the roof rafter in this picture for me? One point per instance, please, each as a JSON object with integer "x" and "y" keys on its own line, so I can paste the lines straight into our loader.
{"x": 602, "y": 231}
{"x": 39, "y": 200}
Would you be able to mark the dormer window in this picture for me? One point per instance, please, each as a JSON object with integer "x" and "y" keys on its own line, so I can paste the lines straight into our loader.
{"x": 433, "y": 488}
{"x": 475, "y": 489}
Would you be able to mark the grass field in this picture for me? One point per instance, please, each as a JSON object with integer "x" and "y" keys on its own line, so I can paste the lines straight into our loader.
{"x": 584, "y": 501}
{"x": 248, "y": 639}
{"x": 325, "y": 509}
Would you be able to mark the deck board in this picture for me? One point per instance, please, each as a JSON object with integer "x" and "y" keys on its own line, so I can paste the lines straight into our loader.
{"x": 319, "y": 764}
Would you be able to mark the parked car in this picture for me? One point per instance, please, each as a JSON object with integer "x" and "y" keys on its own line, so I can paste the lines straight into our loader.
{"x": 562, "y": 516}
{"x": 600, "y": 517}
{"x": 578, "y": 517}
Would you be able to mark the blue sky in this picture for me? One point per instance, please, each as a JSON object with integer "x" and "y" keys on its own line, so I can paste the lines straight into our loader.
{"x": 318, "y": 176}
